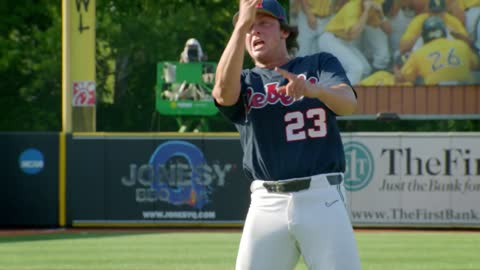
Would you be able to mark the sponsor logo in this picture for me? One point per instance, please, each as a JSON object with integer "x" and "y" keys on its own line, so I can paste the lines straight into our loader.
{"x": 448, "y": 162}
{"x": 83, "y": 93}
{"x": 446, "y": 170}
{"x": 31, "y": 161}
{"x": 359, "y": 166}
{"x": 177, "y": 173}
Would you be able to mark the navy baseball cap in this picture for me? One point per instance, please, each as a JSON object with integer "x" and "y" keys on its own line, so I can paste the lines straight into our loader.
{"x": 270, "y": 7}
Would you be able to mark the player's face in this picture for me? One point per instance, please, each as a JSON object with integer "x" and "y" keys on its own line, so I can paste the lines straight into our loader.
{"x": 264, "y": 40}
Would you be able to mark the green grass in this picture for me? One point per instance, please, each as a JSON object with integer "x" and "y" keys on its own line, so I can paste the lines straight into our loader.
{"x": 217, "y": 250}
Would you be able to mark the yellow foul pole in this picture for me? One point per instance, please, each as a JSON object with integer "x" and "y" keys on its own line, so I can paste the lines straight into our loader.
{"x": 78, "y": 80}
{"x": 66, "y": 60}
{"x": 80, "y": 83}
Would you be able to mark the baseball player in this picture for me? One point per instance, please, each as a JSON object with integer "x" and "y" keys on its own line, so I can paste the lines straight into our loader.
{"x": 440, "y": 60}
{"x": 373, "y": 41}
{"x": 284, "y": 110}
{"x": 348, "y": 25}
{"x": 411, "y": 39}
{"x": 312, "y": 18}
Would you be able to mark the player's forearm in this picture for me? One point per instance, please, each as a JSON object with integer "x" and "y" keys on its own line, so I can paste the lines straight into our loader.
{"x": 386, "y": 26}
{"x": 406, "y": 45}
{"x": 304, "y": 6}
{"x": 311, "y": 19}
{"x": 227, "y": 76}
{"x": 339, "y": 98}
{"x": 356, "y": 30}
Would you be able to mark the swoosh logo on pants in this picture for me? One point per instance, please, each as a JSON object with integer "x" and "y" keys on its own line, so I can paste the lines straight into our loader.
{"x": 328, "y": 204}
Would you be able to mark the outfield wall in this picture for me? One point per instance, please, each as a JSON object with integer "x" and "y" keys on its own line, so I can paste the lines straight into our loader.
{"x": 29, "y": 179}
{"x": 154, "y": 180}
{"x": 171, "y": 179}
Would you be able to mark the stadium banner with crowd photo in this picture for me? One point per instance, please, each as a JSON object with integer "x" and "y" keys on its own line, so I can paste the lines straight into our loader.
{"x": 29, "y": 179}
{"x": 402, "y": 43}
{"x": 155, "y": 180}
{"x": 413, "y": 179}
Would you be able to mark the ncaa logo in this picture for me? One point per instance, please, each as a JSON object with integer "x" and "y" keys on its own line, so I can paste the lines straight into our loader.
{"x": 31, "y": 161}
{"x": 359, "y": 166}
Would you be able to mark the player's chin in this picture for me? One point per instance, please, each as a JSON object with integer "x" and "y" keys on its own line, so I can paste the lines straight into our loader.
{"x": 259, "y": 56}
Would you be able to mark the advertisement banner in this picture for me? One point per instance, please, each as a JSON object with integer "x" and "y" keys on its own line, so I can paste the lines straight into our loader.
{"x": 149, "y": 180}
{"x": 392, "y": 179}
{"x": 413, "y": 179}
{"x": 84, "y": 94}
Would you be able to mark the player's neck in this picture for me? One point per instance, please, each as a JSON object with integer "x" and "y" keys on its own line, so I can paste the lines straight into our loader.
{"x": 272, "y": 63}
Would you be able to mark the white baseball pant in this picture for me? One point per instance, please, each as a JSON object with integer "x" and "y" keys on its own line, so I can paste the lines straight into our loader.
{"x": 313, "y": 223}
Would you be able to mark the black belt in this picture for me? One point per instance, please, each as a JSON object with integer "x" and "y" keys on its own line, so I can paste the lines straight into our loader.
{"x": 298, "y": 184}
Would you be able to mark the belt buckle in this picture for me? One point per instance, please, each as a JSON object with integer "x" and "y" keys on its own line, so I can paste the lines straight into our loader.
{"x": 279, "y": 187}
{"x": 335, "y": 179}
{"x": 275, "y": 187}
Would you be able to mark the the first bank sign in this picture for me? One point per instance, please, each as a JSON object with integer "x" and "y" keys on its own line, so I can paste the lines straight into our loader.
{"x": 413, "y": 164}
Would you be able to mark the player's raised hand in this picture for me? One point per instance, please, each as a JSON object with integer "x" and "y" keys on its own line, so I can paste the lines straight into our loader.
{"x": 376, "y": 6}
{"x": 367, "y": 5}
{"x": 247, "y": 11}
{"x": 296, "y": 87}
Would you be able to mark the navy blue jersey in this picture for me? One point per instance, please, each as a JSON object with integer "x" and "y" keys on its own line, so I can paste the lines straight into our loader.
{"x": 283, "y": 138}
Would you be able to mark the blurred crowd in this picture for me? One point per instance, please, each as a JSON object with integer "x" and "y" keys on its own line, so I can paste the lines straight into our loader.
{"x": 394, "y": 42}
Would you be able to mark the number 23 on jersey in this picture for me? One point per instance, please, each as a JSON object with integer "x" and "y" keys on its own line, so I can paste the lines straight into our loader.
{"x": 298, "y": 124}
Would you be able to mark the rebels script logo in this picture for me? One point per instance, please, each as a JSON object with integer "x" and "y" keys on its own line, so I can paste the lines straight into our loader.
{"x": 271, "y": 96}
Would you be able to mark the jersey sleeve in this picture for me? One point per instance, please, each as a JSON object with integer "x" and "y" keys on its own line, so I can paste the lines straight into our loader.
{"x": 414, "y": 28}
{"x": 453, "y": 23}
{"x": 352, "y": 16}
{"x": 347, "y": 17}
{"x": 332, "y": 72}
{"x": 236, "y": 112}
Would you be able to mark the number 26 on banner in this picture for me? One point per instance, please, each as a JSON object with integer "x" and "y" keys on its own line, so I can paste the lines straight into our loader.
{"x": 83, "y": 93}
